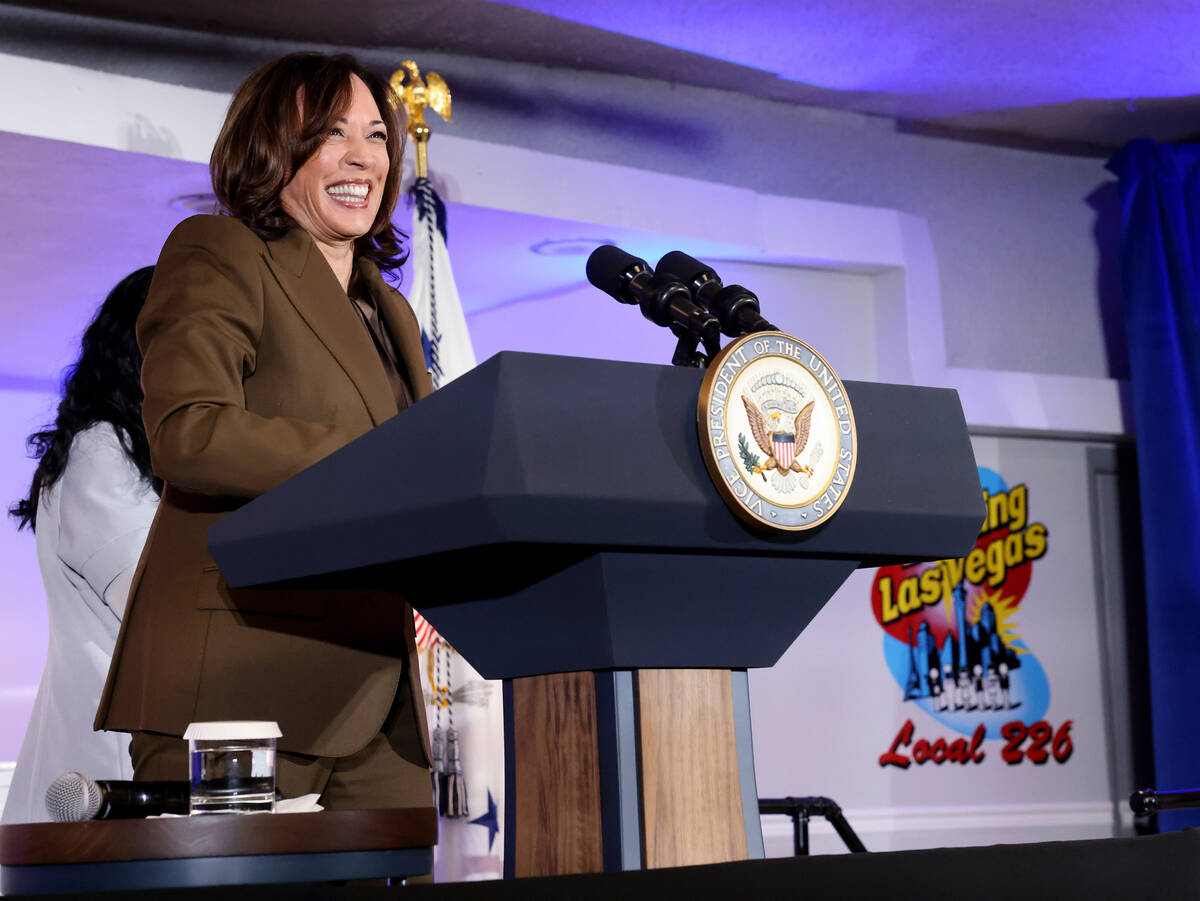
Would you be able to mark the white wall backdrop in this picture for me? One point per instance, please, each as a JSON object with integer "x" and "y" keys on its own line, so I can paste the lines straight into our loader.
{"x": 828, "y": 710}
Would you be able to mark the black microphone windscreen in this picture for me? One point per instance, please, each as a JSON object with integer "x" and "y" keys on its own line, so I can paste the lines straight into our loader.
{"x": 72, "y": 798}
{"x": 606, "y": 267}
{"x": 686, "y": 269}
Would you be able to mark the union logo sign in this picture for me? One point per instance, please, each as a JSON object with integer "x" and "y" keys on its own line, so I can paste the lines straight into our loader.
{"x": 777, "y": 432}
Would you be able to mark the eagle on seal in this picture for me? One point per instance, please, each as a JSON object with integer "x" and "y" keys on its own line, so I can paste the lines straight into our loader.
{"x": 781, "y": 446}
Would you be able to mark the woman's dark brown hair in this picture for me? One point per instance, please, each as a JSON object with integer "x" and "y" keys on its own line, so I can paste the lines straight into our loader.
{"x": 277, "y": 121}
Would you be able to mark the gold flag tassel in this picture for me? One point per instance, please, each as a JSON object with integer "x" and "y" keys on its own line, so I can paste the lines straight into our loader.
{"x": 415, "y": 95}
{"x": 449, "y": 786}
{"x": 455, "y": 796}
{"x": 453, "y": 801}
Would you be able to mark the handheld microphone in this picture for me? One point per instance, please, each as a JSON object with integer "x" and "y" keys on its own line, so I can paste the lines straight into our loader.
{"x": 73, "y": 798}
{"x": 733, "y": 305}
{"x": 663, "y": 300}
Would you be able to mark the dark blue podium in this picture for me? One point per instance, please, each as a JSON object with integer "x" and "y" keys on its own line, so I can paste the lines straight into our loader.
{"x": 553, "y": 518}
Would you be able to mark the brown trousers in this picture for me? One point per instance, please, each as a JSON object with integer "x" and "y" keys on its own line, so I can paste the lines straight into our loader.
{"x": 388, "y": 772}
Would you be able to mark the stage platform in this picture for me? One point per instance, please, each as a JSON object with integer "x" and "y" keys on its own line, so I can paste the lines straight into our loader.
{"x": 1149, "y": 867}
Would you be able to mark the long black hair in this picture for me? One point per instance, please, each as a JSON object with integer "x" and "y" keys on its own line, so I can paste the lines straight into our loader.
{"x": 103, "y": 385}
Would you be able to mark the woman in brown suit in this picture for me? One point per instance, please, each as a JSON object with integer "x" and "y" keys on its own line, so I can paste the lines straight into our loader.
{"x": 270, "y": 341}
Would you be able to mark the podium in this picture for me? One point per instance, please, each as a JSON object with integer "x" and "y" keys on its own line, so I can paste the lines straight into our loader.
{"x": 554, "y": 520}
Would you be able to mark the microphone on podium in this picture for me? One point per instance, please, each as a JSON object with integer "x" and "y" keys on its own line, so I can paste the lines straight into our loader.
{"x": 663, "y": 300}
{"x": 733, "y": 305}
{"x": 73, "y": 798}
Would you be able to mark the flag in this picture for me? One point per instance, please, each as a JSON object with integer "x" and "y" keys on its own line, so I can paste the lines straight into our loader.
{"x": 466, "y": 711}
{"x": 434, "y": 297}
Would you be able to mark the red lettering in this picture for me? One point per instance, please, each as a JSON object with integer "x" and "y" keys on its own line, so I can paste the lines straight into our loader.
{"x": 1014, "y": 733}
{"x": 903, "y": 738}
{"x": 938, "y": 752}
{"x": 1044, "y": 743}
{"x": 1040, "y": 734}
{"x": 1063, "y": 746}
{"x": 976, "y": 752}
{"x": 957, "y": 752}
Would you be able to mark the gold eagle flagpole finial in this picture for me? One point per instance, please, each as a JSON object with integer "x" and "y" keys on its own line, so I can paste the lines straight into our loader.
{"x": 416, "y": 94}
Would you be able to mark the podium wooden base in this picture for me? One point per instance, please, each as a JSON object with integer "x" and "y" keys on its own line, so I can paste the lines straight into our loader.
{"x": 691, "y": 789}
{"x": 628, "y": 769}
{"x": 556, "y": 791}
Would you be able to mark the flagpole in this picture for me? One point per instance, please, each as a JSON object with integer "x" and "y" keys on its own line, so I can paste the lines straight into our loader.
{"x": 467, "y": 718}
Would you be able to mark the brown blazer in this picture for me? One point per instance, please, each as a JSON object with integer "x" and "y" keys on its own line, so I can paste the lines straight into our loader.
{"x": 256, "y": 366}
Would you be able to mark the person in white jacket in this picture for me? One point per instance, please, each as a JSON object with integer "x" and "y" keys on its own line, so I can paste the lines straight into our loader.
{"x": 90, "y": 504}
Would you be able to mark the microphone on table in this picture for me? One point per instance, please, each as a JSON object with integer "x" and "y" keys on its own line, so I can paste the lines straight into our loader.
{"x": 73, "y": 798}
{"x": 663, "y": 300}
{"x": 733, "y": 305}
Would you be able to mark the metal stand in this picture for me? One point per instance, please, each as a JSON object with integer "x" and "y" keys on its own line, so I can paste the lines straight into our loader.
{"x": 686, "y": 353}
{"x": 800, "y": 809}
{"x": 1146, "y": 802}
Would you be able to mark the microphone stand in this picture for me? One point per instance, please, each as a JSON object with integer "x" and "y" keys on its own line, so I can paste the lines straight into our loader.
{"x": 686, "y": 353}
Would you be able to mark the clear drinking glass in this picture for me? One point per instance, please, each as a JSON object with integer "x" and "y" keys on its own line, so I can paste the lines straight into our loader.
{"x": 232, "y": 766}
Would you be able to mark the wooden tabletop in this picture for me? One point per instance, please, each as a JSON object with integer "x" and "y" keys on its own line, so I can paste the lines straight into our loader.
{"x": 107, "y": 841}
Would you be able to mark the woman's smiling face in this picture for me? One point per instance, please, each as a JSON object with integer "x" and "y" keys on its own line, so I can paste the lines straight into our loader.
{"x": 335, "y": 195}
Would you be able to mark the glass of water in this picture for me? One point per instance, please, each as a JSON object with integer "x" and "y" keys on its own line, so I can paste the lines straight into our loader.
{"x": 232, "y": 766}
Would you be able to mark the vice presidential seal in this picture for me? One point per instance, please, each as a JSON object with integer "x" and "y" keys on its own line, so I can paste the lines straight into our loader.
{"x": 777, "y": 432}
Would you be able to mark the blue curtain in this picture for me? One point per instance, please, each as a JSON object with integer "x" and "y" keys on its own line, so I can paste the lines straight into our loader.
{"x": 1160, "y": 280}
